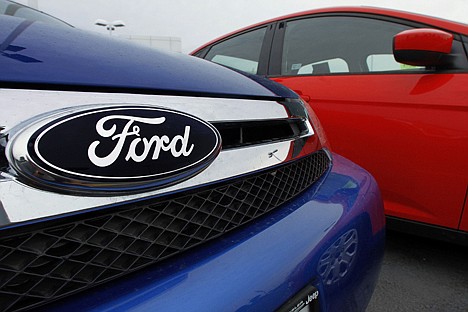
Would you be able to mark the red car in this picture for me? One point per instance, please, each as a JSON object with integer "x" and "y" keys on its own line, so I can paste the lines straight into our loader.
{"x": 391, "y": 91}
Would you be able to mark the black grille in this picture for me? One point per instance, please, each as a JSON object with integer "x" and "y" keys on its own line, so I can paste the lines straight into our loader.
{"x": 42, "y": 265}
{"x": 243, "y": 133}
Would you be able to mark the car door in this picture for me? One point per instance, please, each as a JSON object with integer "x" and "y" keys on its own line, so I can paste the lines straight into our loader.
{"x": 407, "y": 125}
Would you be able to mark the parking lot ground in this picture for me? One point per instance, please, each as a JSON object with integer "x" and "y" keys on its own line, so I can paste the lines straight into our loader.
{"x": 420, "y": 274}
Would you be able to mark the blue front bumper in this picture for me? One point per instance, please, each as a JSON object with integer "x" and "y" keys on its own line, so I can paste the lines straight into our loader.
{"x": 332, "y": 237}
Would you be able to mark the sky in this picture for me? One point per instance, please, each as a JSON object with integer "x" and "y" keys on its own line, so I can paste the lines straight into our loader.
{"x": 199, "y": 21}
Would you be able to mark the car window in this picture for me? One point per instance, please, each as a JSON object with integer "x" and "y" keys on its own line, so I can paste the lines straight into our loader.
{"x": 340, "y": 44}
{"x": 237, "y": 63}
{"x": 336, "y": 65}
{"x": 241, "y": 52}
{"x": 386, "y": 62}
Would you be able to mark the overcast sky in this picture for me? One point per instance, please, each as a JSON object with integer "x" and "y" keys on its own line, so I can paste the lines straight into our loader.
{"x": 199, "y": 21}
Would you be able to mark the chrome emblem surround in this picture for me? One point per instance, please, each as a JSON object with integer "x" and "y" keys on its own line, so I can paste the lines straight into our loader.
{"x": 109, "y": 148}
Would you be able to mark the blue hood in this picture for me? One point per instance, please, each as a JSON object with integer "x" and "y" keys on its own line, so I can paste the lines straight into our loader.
{"x": 36, "y": 53}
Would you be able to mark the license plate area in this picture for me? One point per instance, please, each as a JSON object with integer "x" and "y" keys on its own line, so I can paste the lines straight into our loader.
{"x": 306, "y": 300}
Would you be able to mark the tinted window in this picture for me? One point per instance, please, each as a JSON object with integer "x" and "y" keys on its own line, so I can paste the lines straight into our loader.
{"x": 241, "y": 52}
{"x": 324, "y": 45}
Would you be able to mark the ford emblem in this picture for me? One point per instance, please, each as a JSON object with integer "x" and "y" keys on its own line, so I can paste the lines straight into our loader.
{"x": 114, "y": 148}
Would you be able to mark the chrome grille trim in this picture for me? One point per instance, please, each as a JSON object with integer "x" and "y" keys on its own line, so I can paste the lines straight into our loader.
{"x": 22, "y": 105}
{"x": 22, "y": 203}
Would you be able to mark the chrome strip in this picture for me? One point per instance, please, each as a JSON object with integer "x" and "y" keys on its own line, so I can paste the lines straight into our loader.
{"x": 20, "y": 105}
{"x": 21, "y": 202}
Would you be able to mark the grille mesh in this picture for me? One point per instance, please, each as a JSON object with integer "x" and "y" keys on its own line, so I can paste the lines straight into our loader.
{"x": 42, "y": 265}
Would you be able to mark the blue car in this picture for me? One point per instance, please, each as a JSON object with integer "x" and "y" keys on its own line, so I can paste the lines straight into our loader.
{"x": 135, "y": 180}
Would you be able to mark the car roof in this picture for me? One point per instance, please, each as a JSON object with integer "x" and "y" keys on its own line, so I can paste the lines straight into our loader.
{"x": 414, "y": 17}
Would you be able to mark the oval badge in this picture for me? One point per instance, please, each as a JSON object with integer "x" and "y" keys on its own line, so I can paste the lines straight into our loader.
{"x": 124, "y": 148}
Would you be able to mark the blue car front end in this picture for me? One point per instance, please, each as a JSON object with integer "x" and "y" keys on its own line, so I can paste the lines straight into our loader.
{"x": 330, "y": 237}
{"x": 103, "y": 208}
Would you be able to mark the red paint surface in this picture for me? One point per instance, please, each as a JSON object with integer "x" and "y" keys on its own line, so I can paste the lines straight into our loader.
{"x": 424, "y": 39}
{"x": 409, "y": 131}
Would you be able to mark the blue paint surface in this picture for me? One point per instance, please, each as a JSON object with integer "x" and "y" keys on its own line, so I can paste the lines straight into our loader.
{"x": 260, "y": 266}
{"x": 36, "y": 52}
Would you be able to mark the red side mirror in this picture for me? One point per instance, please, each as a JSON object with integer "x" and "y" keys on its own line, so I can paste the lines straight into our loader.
{"x": 422, "y": 47}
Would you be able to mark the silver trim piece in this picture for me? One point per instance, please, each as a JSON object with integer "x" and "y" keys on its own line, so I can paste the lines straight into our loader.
{"x": 20, "y": 105}
{"x": 21, "y": 108}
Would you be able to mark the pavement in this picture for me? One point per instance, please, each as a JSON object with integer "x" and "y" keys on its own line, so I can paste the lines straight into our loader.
{"x": 420, "y": 274}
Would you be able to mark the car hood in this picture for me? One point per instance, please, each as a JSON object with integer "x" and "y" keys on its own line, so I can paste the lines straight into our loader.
{"x": 49, "y": 56}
